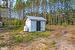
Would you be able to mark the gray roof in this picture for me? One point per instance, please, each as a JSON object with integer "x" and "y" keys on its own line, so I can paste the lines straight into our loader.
{"x": 36, "y": 18}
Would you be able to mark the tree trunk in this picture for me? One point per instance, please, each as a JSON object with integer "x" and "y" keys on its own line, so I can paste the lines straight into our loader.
{"x": 44, "y": 8}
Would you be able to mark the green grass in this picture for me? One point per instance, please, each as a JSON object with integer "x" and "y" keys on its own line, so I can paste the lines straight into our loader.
{"x": 3, "y": 44}
{"x": 18, "y": 37}
{"x": 41, "y": 34}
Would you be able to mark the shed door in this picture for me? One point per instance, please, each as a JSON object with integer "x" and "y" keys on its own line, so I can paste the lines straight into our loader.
{"x": 38, "y": 25}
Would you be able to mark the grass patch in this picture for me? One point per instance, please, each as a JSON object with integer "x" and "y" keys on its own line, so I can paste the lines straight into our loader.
{"x": 41, "y": 34}
{"x": 18, "y": 37}
{"x": 2, "y": 44}
{"x": 28, "y": 38}
{"x": 20, "y": 29}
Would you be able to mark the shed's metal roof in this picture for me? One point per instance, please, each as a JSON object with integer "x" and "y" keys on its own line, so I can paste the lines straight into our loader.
{"x": 35, "y": 18}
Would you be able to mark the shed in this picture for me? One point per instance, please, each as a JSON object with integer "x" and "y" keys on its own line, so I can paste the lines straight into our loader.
{"x": 34, "y": 23}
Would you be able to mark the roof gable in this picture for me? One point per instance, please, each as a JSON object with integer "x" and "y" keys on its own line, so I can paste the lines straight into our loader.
{"x": 35, "y": 18}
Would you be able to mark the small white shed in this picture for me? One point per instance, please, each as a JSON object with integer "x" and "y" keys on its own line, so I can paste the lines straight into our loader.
{"x": 34, "y": 24}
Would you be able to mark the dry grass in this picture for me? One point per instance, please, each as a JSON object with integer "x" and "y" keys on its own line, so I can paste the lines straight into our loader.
{"x": 19, "y": 40}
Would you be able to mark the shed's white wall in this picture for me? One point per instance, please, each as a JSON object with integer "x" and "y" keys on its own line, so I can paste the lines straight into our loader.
{"x": 33, "y": 26}
{"x": 43, "y": 25}
{"x": 0, "y": 24}
{"x": 28, "y": 25}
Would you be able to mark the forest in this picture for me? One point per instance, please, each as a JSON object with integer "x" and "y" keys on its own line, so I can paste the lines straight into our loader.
{"x": 57, "y": 12}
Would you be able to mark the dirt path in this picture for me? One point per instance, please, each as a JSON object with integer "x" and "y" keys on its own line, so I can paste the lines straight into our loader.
{"x": 64, "y": 45}
{"x": 64, "y": 41}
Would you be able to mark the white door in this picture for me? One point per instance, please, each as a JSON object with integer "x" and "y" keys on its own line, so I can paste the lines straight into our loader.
{"x": 33, "y": 25}
{"x": 42, "y": 25}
